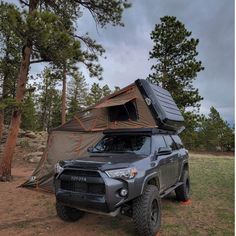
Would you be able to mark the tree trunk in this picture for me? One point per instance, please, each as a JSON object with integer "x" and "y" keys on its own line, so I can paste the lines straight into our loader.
{"x": 1, "y": 123}
{"x": 63, "y": 105}
{"x": 5, "y": 166}
{"x": 45, "y": 103}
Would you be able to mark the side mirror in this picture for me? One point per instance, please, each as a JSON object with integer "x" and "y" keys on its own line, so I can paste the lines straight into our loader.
{"x": 90, "y": 149}
{"x": 164, "y": 151}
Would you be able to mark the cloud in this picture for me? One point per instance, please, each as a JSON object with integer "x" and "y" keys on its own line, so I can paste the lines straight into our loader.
{"x": 211, "y": 21}
{"x": 127, "y": 48}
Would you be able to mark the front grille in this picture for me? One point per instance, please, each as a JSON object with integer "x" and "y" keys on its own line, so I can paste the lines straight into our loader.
{"x": 94, "y": 183}
{"x": 83, "y": 187}
{"x": 83, "y": 173}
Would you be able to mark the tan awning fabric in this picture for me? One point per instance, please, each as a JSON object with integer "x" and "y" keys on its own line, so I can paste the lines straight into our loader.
{"x": 114, "y": 102}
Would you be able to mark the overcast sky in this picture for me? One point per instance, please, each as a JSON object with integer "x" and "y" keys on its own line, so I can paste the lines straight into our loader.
{"x": 212, "y": 21}
{"x": 127, "y": 48}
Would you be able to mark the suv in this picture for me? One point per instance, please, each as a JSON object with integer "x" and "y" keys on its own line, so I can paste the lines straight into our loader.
{"x": 128, "y": 172}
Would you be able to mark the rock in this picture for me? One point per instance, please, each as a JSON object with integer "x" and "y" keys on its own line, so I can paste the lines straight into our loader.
{"x": 32, "y": 154}
{"x": 21, "y": 133}
{"x": 5, "y": 132}
{"x": 23, "y": 142}
{"x": 35, "y": 159}
{"x": 33, "y": 142}
{"x": 41, "y": 148}
{"x": 30, "y": 134}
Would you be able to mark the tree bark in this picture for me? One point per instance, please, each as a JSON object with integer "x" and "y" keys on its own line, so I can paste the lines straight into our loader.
{"x": 5, "y": 166}
{"x": 45, "y": 115}
{"x": 63, "y": 105}
{"x": 1, "y": 123}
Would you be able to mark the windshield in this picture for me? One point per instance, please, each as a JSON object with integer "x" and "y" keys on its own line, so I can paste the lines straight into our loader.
{"x": 137, "y": 144}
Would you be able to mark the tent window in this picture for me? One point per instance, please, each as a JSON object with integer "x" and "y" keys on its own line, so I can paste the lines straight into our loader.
{"x": 123, "y": 112}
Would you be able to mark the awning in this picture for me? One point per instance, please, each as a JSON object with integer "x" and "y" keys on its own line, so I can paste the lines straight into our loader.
{"x": 116, "y": 101}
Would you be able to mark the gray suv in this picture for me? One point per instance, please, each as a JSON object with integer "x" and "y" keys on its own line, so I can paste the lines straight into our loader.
{"x": 128, "y": 172}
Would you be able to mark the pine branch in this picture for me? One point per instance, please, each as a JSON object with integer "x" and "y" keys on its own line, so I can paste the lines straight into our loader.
{"x": 39, "y": 61}
{"x": 23, "y": 2}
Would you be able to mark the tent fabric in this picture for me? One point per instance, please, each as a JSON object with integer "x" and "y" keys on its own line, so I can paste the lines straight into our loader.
{"x": 96, "y": 118}
{"x": 114, "y": 102}
{"x": 61, "y": 145}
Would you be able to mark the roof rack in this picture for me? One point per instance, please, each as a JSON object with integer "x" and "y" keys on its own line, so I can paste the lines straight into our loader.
{"x": 139, "y": 130}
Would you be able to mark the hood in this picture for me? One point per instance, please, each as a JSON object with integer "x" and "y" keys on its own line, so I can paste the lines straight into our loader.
{"x": 101, "y": 161}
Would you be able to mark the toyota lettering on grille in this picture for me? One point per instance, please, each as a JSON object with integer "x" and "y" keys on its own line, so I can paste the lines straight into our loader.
{"x": 78, "y": 178}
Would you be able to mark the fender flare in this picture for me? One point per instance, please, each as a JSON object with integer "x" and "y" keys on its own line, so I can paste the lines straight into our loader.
{"x": 149, "y": 177}
{"x": 185, "y": 162}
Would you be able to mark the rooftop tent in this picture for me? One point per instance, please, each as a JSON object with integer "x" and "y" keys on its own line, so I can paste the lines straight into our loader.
{"x": 139, "y": 105}
{"x": 162, "y": 105}
{"x": 123, "y": 109}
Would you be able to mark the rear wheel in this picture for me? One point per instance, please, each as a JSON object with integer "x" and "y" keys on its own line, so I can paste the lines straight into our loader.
{"x": 68, "y": 213}
{"x": 147, "y": 212}
{"x": 183, "y": 191}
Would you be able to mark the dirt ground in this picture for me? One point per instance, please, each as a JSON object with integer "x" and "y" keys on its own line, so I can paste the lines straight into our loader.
{"x": 27, "y": 212}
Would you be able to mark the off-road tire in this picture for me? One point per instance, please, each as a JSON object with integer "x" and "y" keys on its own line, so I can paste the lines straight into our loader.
{"x": 68, "y": 213}
{"x": 145, "y": 222}
{"x": 183, "y": 191}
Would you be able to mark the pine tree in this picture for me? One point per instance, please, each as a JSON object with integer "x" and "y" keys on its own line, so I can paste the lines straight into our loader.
{"x": 47, "y": 89}
{"x": 77, "y": 94}
{"x": 176, "y": 65}
{"x": 106, "y": 90}
{"x": 29, "y": 115}
{"x": 55, "y": 111}
{"x": 95, "y": 94}
{"x": 190, "y": 134}
{"x": 175, "y": 69}
{"x": 215, "y": 133}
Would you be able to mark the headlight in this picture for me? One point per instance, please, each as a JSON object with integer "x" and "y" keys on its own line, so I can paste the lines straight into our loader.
{"x": 58, "y": 168}
{"x": 128, "y": 173}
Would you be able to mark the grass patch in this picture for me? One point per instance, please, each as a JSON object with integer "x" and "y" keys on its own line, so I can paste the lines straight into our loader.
{"x": 211, "y": 211}
{"x": 212, "y": 193}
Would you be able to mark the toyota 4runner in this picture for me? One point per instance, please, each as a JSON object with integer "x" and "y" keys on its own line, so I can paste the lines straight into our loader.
{"x": 128, "y": 172}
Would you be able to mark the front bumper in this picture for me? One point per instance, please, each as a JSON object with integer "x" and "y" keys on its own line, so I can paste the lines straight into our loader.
{"x": 79, "y": 192}
{"x": 82, "y": 200}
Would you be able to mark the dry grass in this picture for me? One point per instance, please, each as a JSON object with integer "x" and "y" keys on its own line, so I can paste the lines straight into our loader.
{"x": 24, "y": 212}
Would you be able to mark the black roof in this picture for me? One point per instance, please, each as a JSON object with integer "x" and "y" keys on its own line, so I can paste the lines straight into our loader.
{"x": 162, "y": 105}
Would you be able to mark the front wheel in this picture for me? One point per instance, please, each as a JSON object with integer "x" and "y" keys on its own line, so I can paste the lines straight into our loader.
{"x": 147, "y": 212}
{"x": 183, "y": 191}
{"x": 68, "y": 213}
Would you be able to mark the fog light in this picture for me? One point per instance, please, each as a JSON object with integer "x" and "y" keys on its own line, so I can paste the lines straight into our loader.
{"x": 123, "y": 192}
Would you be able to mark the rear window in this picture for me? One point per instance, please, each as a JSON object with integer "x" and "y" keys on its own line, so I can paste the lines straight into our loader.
{"x": 170, "y": 142}
{"x": 159, "y": 142}
{"x": 178, "y": 141}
